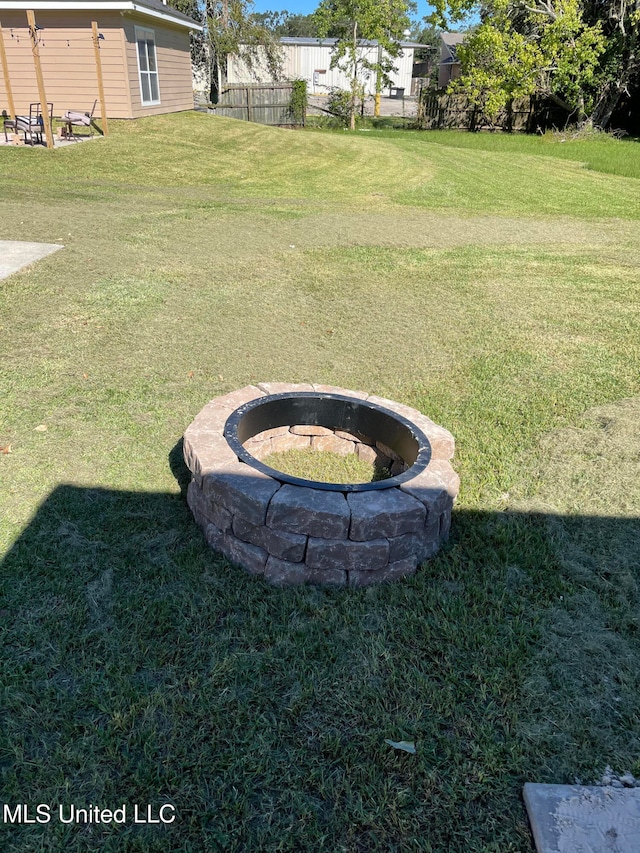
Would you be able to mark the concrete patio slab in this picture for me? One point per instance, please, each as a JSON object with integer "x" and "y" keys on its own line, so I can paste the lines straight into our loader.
{"x": 572, "y": 818}
{"x": 14, "y": 254}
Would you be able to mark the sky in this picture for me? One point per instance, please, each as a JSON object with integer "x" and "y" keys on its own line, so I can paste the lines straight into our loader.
{"x": 306, "y": 7}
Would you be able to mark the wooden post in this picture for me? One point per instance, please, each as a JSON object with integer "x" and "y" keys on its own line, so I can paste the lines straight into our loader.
{"x": 31, "y": 20}
{"x": 249, "y": 105}
{"x": 96, "y": 50}
{"x": 5, "y": 73}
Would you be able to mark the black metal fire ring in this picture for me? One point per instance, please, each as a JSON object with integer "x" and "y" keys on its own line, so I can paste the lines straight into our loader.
{"x": 335, "y": 412}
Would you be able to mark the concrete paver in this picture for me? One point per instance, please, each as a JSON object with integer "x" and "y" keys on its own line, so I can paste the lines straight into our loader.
{"x": 572, "y": 818}
{"x": 14, "y": 254}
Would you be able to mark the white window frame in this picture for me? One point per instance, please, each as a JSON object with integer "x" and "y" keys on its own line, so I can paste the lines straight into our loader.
{"x": 146, "y": 34}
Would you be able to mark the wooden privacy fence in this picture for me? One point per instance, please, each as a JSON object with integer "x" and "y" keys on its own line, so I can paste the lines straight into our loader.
{"x": 264, "y": 103}
{"x": 438, "y": 110}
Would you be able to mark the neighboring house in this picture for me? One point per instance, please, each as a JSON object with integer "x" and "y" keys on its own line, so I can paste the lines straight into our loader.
{"x": 449, "y": 68}
{"x": 310, "y": 59}
{"x": 144, "y": 54}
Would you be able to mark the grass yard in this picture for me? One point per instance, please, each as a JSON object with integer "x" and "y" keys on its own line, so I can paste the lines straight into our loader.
{"x": 493, "y": 283}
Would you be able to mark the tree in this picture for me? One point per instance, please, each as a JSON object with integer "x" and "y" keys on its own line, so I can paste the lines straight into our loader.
{"x": 230, "y": 27}
{"x": 355, "y": 22}
{"x": 578, "y": 55}
{"x": 620, "y": 61}
{"x": 286, "y": 24}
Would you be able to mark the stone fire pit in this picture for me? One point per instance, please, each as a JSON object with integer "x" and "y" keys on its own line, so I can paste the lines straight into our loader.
{"x": 293, "y": 530}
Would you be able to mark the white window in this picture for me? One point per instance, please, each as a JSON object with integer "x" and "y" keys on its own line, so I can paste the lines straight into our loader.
{"x": 147, "y": 66}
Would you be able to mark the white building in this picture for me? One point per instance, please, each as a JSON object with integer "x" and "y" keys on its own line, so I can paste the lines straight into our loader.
{"x": 310, "y": 59}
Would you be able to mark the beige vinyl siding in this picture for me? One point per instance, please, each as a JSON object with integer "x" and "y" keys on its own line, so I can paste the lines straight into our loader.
{"x": 69, "y": 68}
{"x": 68, "y": 61}
{"x": 174, "y": 67}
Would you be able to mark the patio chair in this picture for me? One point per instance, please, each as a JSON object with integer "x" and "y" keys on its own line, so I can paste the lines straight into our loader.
{"x": 76, "y": 118}
{"x": 9, "y": 125}
{"x": 32, "y": 126}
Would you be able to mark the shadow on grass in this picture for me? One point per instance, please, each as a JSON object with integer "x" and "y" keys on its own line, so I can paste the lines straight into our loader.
{"x": 141, "y": 668}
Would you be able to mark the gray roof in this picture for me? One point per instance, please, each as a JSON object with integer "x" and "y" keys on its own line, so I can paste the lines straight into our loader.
{"x": 167, "y": 8}
{"x": 314, "y": 42}
{"x": 153, "y": 8}
{"x": 451, "y": 41}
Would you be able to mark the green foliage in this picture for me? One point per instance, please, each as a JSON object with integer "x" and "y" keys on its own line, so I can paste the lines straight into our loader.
{"x": 187, "y": 7}
{"x": 429, "y": 36}
{"x": 536, "y": 52}
{"x": 498, "y": 65}
{"x": 567, "y": 50}
{"x": 285, "y": 24}
{"x": 340, "y": 104}
{"x": 299, "y": 100}
{"x": 356, "y": 21}
{"x": 233, "y": 29}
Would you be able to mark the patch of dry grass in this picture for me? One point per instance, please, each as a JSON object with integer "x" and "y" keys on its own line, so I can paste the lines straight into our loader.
{"x": 586, "y": 480}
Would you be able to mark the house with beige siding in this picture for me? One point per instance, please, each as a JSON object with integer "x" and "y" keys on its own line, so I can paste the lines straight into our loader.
{"x": 144, "y": 54}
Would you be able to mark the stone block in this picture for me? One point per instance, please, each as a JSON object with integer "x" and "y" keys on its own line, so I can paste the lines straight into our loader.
{"x": 387, "y": 451}
{"x": 205, "y": 512}
{"x": 235, "y": 399}
{"x": 206, "y": 452}
{"x": 221, "y": 517}
{"x": 286, "y": 546}
{"x": 370, "y": 454}
{"x": 284, "y": 573}
{"x": 356, "y": 436}
{"x": 392, "y": 572}
{"x": 333, "y": 389}
{"x": 274, "y": 432}
{"x": 404, "y": 546}
{"x": 441, "y": 441}
{"x": 197, "y": 504}
{"x": 349, "y": 555}
{"x": 432, "y": 526}
{"x": 283, "y": 387}
{"x": 399, "y": 408}
{"x": 429, "y": 489}
{"x": 215, "y": 538}
{"x": 242, "y": 490}
{"x": 250, "y": 557}
{"x": 447, "y": 475}
{"x": 258, "y": 448}
{"x": 328, "y": 577}
{"x": 310, "y": 512}
{"x": 290, "y": 442}
{"x": 398, "y": 468}
{"x": 332, "y": 444}
{"x": 309, "y": 429}
{"x": 210, "y": 421}
{"x": 429, "y": 549}
{"x": 387, "y": 512}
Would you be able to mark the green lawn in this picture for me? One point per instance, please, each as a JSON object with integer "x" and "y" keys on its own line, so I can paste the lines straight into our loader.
{"x": 490, "y": 281}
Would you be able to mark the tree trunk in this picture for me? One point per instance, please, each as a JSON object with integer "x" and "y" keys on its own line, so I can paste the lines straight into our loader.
{"x": 354, "y": 79}
{"x": 613, "y": 91}
{"x": 607, "y": 102}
